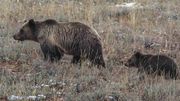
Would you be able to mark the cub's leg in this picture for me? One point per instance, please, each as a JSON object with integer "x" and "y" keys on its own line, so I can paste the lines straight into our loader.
{"x": 76, "y": 59}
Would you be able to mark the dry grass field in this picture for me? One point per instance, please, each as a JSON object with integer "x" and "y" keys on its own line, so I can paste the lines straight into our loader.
{"x": 149, "y": 26}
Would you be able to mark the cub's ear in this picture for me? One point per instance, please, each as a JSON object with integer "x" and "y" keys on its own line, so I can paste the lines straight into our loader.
{"x": 137, "y": 54}
{"x": 32, "y": 23}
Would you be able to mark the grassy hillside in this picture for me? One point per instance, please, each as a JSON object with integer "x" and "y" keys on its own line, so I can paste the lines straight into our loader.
{"x": 149, "y": 26}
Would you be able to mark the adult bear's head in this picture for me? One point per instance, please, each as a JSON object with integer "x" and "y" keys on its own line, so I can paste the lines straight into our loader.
{"x": 27, "y": 32}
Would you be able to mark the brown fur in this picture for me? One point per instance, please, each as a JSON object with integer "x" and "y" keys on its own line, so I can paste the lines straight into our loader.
{"x": 153, "y": 64}
{"x": 73, "y": 38}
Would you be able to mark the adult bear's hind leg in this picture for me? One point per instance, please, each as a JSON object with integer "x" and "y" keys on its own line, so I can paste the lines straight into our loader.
{"x": 96, "y": 57}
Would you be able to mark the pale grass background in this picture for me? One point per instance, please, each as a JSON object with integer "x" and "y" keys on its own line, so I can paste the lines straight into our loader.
{"x": 122, "y": 32}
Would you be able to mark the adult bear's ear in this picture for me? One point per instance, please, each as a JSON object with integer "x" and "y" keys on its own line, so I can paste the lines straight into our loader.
{"x": 32, "y": 23}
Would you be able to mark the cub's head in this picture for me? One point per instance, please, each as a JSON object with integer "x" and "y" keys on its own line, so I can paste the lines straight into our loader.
{"x": 134, "y": 60}
{"x": 27, "y": 32}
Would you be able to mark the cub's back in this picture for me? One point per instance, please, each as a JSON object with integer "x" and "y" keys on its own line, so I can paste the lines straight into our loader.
{"x": 162, "y": 60}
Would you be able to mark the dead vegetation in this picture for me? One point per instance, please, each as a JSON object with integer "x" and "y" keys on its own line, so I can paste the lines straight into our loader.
{"x": 148, "y": 26}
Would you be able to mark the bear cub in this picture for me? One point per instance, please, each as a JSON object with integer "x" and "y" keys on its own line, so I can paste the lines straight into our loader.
{"x": 153, "y": 64}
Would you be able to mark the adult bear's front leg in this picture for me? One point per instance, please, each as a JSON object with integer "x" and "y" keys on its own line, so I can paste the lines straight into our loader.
{"x": 46, "y": 51}
{"x": 56, "y": 54}
{"x": 51, "y": 53}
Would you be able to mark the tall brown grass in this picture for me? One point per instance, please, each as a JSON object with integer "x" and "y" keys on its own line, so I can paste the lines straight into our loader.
{"x": 122, "y": 32}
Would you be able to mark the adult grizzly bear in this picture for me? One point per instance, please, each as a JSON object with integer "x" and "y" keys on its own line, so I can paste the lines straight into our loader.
{"x": 153, "y": 64}
{"x": 57, "y": 38}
